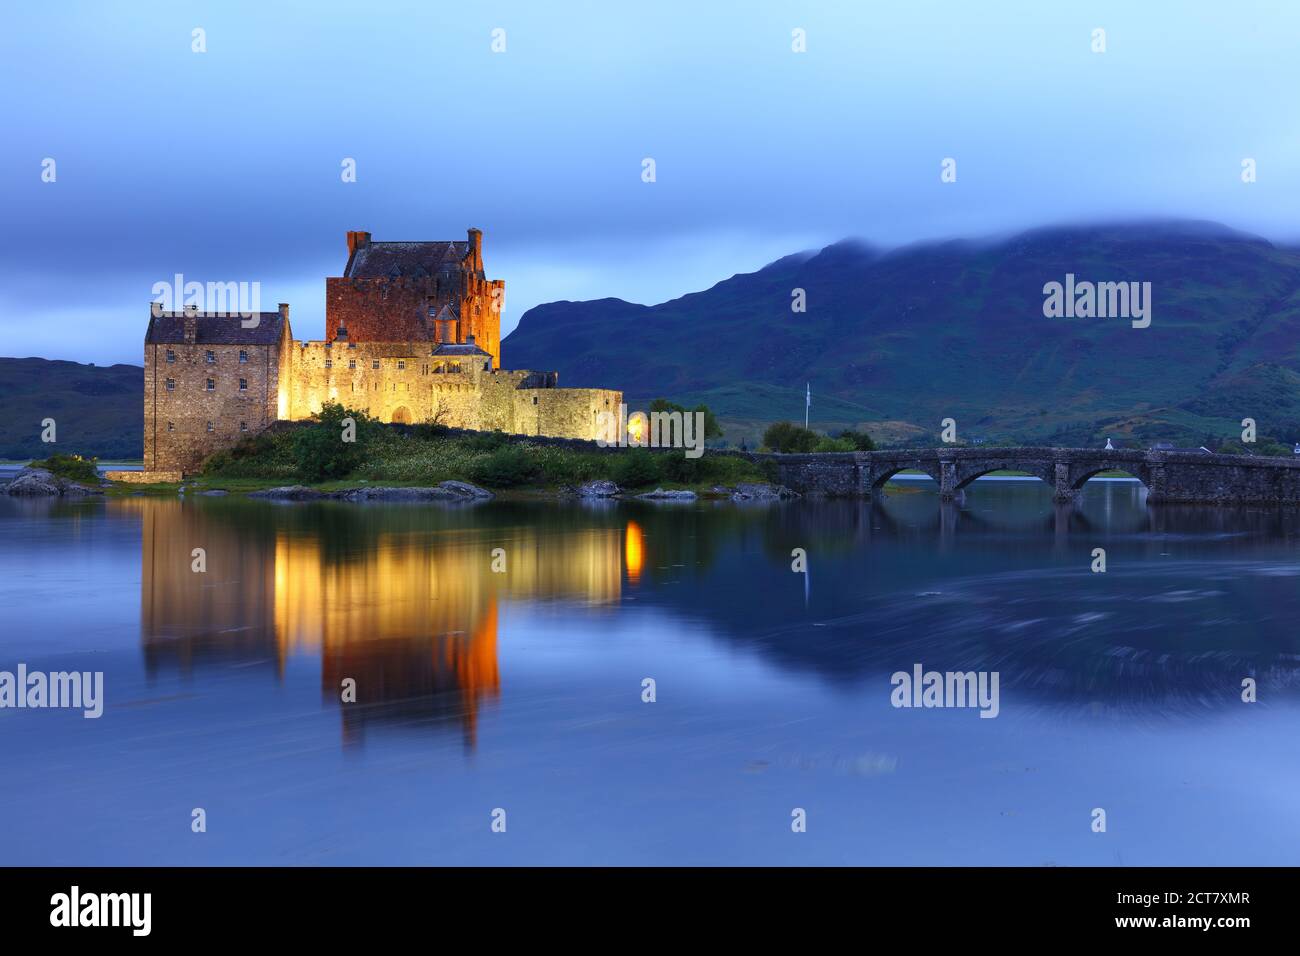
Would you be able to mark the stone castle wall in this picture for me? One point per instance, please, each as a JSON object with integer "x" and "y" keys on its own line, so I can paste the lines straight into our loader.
{"x": 402, "y": 382}
{"x": 185, "y": 420}
{"x": 390, "y": 381}
{"x": 395, "y": 314}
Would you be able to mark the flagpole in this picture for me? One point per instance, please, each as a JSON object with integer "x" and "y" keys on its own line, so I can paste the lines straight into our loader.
{"x": 807, "y": 404}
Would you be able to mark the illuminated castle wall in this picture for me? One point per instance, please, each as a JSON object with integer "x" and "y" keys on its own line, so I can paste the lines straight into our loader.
{"x": 413, "y": 335}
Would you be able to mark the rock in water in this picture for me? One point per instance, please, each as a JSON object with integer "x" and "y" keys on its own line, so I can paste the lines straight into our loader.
{"x": 289, "y": 493}
{"x": 463, "y": 489}
{"x": 660, "y": 495}
{"x": 455, "y": 491}
{"x": 758, "y": 491}
{"x": 37, "y": 482}
{"x": 598, "y": 489}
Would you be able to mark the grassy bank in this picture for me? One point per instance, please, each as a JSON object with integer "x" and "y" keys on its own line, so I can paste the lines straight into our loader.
{"x": 315, "y": 455}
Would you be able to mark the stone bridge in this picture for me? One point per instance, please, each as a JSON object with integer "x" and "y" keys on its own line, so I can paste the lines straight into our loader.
{"x": 1169, "y": 476}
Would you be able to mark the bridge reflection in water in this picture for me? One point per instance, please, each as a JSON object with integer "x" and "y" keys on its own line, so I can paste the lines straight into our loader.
{"x": 402, "y": 600}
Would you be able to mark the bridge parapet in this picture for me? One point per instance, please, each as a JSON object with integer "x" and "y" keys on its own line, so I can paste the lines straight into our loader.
{"x": 1183, "y": 477}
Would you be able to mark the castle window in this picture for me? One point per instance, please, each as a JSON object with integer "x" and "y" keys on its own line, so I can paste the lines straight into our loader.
{"x": 211, "y": 427}
{"x": 352, "y": 345}
{"x": 243, "y": 426}
{"x": 401, "y": 365}
{"x": 243, "y": 356}
{"x": 171, "y": 427}
{"x": 212, "y": 387}
{"x": 210, "y": 357}
{"x": 487, "y": 366}
{"x": 243, "y": 384}
{"x": 171, "y": 384}
{"x": 329, "y": 363}
{"x": 352, "y": 363}
{"x": 171, "y": 355}
{"x": 374, "y": 363}
{"x": 534, "y": 399}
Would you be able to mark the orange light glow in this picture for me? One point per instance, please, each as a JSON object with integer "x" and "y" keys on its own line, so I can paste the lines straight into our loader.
{"x": 633, "y": 551}
{"x": 636, "y": 426}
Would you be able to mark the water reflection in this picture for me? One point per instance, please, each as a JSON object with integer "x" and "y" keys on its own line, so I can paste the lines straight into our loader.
{"x": 404, "y": 599}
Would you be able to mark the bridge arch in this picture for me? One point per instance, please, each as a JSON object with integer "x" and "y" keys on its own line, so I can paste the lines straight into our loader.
{"x": 1080, "y": 473}
{"x": 882, "y": 473}
{"x": 970, "y": 472}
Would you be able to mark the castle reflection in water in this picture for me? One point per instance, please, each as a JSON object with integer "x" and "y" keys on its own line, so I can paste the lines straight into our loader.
{"x": 403, "y": 600}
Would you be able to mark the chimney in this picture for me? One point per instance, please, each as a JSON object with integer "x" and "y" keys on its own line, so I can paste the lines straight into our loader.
{"x": 357, "y": 240}
{"x": 476, "y": 242}
{"x": 469, "y": 339}
{"x": 191, "y": 326}
{"x": 341, "y": 334}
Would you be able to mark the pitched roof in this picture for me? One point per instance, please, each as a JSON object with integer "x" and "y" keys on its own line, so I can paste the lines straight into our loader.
{"x": 169, "y": 327}
{"x": 459, "y": 348}
{"x": 405, "y": 259}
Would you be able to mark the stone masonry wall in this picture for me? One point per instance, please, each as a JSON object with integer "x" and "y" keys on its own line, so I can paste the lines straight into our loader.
{"x": 188, "y": 421}
{"x": 402, "y": 382}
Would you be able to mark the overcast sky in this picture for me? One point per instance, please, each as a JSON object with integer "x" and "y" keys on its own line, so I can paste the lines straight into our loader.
{"x": 225, "y": 165}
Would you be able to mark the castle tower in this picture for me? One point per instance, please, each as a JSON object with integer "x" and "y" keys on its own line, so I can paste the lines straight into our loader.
{"x": 416, "y": 292}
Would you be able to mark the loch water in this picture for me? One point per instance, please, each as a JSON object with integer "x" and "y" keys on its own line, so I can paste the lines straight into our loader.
{"x": 480, "y": 690}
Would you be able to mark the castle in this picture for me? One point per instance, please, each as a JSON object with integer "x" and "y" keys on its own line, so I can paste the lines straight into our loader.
{"x": 413, "y": 335}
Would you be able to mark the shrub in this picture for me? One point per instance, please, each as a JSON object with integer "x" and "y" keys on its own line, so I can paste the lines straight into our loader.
{"x": 789, "y": 437}
{"x": 486, "y": 441}
{"x": 507, "y": 466}
{"x": 834, "y": 444}
{"x": 265, "y": 455}
{"x": 71, "y": 467}
{"x": 320, "y": 451}
{"x": 861, "y": 441}
{"x": 565, "y": 466}
{"x": 426, "y": 431}
{"x": 674, "y": 466}
{"x": 636, "y": 468}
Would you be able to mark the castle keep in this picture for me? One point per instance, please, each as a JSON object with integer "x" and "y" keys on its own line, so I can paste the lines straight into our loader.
{"x": 413, "y": 335}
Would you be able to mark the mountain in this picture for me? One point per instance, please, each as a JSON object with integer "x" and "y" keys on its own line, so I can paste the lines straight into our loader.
{"x": 97, "y": 410}
{"x": 895, "y": 341}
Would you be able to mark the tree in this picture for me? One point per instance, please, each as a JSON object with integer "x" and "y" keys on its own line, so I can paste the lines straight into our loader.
{"x": 335, "y": 444}
{"x": 711, "y": 427}
{"x": 861, "y": 440}
{"x": 788, "y": 437}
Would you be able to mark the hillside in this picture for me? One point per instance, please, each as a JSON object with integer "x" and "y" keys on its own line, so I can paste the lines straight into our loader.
{"x": 895, "y": 341}
{"x": 98, "y": 410}
{"x": 892, "y": 342}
